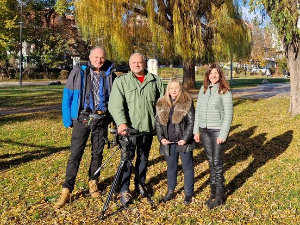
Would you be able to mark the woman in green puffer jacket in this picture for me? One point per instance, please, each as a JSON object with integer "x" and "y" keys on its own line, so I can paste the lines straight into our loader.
{"x": 213, "y": 119}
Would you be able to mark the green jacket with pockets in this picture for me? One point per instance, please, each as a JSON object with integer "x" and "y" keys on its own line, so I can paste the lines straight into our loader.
{"x": 133, "y": 102}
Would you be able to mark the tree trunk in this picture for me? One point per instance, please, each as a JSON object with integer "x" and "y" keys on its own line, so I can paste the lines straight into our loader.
{"x": 189, "y": 74}
{"x": 294, "y": 68}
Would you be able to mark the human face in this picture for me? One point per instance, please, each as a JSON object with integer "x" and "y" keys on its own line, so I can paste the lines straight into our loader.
{"x": 174, "y": 90}
{"x": 97, "y": 58}
{"x": 137, "y": 65}
{"x": 214, "y": 76}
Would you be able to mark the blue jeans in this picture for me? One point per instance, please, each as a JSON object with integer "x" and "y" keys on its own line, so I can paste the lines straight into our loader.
{"x": 188, "y": 169}
{"x": 214, "y": 153}
{"x": 141, "y": 163}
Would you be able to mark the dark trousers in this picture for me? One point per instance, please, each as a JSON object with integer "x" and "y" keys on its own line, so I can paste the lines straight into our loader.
{"x": 80, "y": 135}
{"x": 188, "y": 169}
{"x": 214, "y": 153}
{"x": 141, "y": 163}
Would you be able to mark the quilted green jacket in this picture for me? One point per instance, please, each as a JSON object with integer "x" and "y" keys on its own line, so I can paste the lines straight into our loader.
{"x": 214, "y": 110}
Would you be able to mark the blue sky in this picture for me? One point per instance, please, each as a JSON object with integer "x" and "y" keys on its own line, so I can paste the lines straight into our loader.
{"x": 249, "y": 16}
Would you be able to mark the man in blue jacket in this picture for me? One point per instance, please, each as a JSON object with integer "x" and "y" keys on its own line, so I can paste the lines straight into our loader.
{"x": 84, "y": 109}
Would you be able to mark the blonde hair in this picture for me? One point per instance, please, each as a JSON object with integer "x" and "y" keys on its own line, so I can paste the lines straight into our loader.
{"x": 183, "y": 96}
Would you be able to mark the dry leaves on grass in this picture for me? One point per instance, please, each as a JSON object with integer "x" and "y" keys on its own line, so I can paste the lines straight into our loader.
{"x": 261, "y": 164}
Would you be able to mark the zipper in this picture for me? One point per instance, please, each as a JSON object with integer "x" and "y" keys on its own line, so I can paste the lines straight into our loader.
{"x": 207, "y": 104}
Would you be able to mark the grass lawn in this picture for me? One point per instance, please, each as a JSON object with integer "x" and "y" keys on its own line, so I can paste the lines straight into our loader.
{"x": 261, "y": 162}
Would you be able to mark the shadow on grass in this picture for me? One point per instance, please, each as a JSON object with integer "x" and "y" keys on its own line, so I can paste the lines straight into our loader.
{"x": 261, "y": 153}
{"x": 51, "y": 112}
{"x": 28, "y": 98}
{"x": 242, "y": 147}
{"x": 238, "y": 101}
{"x": 25, "y": 157}
{"x": 107, "y": 182}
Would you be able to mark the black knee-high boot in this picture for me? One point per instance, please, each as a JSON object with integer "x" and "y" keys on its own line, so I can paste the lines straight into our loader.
{"x": 219, "y": 198}
{"x": 212, "y": 194}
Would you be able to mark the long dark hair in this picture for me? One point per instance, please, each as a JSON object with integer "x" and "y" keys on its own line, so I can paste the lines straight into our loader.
{"x": 223, "y": 84}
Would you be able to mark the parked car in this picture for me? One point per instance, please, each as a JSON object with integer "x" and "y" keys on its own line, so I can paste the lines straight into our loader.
{"x": 260, "y": 70}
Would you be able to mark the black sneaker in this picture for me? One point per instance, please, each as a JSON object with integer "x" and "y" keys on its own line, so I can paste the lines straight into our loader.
{"x": 168, "y": 196}
{"x": 187, "y": 199}
{"x": 125, "y": 198}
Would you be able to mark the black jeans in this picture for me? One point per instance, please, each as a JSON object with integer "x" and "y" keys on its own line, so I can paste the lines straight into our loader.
{"x": 80, "y": 135}
{"x": 214, "y": 153}
{"x": 141, "y": 163}
{"x": 188, "y": 169}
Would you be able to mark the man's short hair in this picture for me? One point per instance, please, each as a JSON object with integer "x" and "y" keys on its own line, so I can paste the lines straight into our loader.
{"x": 136, "y": 53}
{"x": 96, "y": 47}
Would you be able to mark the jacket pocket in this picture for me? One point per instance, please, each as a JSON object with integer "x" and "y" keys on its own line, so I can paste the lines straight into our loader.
{"x": 152, "y": 95}
{"x": 131, "y": 94}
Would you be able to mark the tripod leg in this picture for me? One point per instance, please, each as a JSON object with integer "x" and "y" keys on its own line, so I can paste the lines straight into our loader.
{"x": 142, "y": 185}
{"x": 112, "y": 189}
{"x": 100, "y": 168}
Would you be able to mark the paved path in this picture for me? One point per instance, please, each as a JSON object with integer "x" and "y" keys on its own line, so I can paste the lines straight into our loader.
{"x": 27, "y": 83}
{"x": 266, "y": 90}
{"x": 263, "y": 91}
{"x": 258, "y": 92}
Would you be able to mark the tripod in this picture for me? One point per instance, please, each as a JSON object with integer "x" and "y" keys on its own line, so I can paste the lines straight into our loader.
{"x": 124, "y": 146}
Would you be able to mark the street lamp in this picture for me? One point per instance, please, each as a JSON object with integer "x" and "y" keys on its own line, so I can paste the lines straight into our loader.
{"x": 298, "y": 8}
{"x": 21, "y": 47}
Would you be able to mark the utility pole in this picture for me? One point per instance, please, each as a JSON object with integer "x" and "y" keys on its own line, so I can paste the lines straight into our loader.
{"x": 21, "y": 47}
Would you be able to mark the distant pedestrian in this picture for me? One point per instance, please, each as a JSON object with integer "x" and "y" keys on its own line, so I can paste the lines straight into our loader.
{"x": 268, "y": 72}
{"x": 213, "y": 119}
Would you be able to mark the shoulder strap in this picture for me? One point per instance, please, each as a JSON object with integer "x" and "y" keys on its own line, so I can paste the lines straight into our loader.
{"x": 87, "y": 87}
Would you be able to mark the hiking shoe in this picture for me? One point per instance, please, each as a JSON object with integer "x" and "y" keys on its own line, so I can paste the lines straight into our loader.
{"x": 93, "y": 187}
{"x": 125, "y": 198}
{"x": 64, "y": 198}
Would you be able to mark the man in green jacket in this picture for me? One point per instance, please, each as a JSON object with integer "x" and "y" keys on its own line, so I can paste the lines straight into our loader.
{"x": 132, "y": 105}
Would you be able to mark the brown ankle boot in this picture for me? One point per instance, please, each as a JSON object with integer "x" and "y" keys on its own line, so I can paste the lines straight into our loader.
{"x": 64, "y": 198}
{"x": 94, "y": 189}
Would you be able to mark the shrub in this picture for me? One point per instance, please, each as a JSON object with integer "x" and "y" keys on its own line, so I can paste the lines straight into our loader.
{"x": 64, "y": 74}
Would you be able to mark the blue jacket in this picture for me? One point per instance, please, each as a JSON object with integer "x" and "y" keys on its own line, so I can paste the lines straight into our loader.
{"x": 74, "y": 99}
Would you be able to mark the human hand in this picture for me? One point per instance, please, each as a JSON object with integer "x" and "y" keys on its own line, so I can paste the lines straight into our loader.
{"x": 122, "y": 129}
{"x": 197, "y": 137}
{"x": 181, "y": 142}
{"x": 164, "y": 141}
{"x": 220, "y": 141}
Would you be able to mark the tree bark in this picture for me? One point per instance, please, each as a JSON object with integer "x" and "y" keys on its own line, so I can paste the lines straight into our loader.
{"x": 189, "y": 74}
{"x": 294, "y": 68}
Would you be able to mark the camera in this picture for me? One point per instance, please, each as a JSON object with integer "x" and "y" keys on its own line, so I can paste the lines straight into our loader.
{"x": 133, "y": 137}
{"x": 86, "y": 111}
